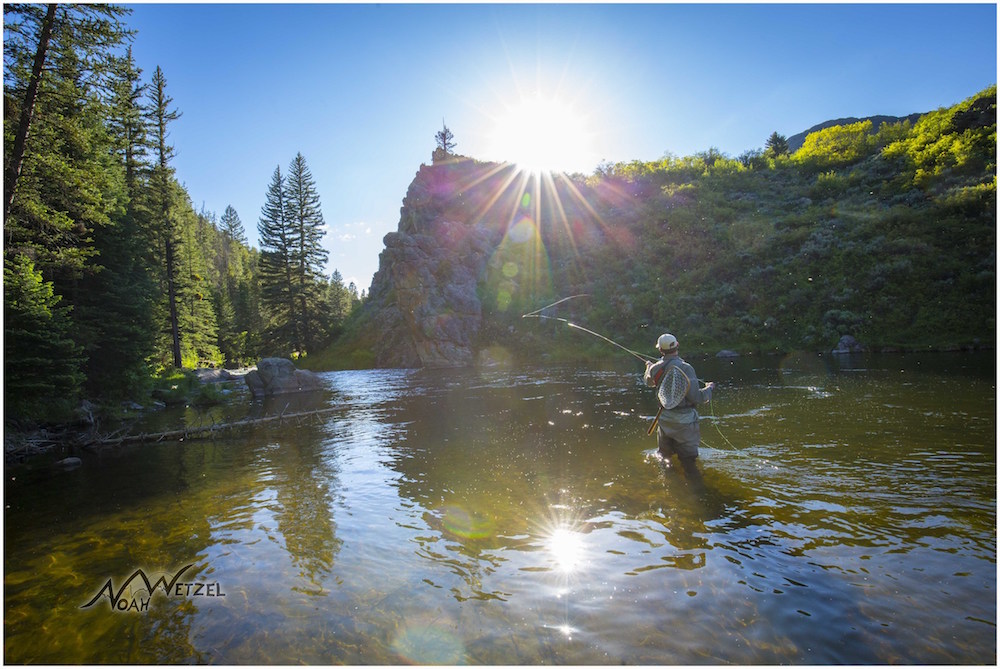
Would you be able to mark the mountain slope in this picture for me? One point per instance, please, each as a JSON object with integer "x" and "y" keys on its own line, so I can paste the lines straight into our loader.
{"x": 795, "y": 141}
{"x": 884, "y": 234}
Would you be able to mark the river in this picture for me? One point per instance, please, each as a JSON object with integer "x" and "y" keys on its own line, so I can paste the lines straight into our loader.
{"x": 516, "y": 516}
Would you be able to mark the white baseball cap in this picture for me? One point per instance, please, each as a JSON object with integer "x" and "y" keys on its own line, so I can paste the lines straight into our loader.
{"x": 666, "y": 342}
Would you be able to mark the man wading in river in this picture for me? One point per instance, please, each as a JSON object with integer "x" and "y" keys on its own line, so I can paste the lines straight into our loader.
{"x": 678, "y": 430}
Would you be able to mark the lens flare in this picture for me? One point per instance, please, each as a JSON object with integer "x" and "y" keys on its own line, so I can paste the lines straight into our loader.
{"x": 429, "y": 644}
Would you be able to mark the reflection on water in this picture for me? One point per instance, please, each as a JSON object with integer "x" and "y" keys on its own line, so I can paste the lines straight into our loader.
{"x": 513, "y": 517}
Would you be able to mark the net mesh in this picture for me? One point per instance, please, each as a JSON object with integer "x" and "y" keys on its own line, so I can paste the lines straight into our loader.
{"x": 673, "y": 388}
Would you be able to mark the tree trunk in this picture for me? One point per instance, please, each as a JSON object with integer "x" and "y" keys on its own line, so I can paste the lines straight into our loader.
{"x": 292, "y": 313}
{"x": 27, "y": 110}
{"x": 175, "y": 334}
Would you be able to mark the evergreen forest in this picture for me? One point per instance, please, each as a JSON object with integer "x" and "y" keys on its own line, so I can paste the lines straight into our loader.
{"x": 112, "y": 278}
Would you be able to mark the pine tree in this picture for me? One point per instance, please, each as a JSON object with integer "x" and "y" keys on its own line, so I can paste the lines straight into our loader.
{"x": 63, "y": 194}
{"x": 41, "y": 360}
{"x": 776, "y": 145}
{"x": 14, "y": 162}
{"x": 196, "y": 314}
{"x": 339, "y": 303}
{"x": 118, "y": 302}
{"x": 228, "y": 267}
{"x": 246, "y": 303}
{"x": 445, "y": 144}
{"x": 235, "y": 307}
{"x": 160, "y": 115}
{"x": 305, "y": 218}
{"x": 292, "y": 283}
{"x": 232, "y": 227}
{"x": 276, "y": 270}
{"x": 127, "y": 121}
{"x": 67, "y": 185}
{"x": 31, "y": 34}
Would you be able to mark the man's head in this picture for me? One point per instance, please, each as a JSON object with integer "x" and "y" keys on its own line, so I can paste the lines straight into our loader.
{"x": 667, "y": 343}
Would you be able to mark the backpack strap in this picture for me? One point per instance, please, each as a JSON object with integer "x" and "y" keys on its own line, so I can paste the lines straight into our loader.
{"x": 663, "y": 370}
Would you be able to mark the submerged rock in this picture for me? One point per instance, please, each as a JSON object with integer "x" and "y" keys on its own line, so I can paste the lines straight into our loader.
{"x": 69, "y": 463}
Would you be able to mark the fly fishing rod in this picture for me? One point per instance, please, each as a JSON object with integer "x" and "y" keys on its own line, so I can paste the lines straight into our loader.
{"x": 645, "y": 359}
{"x": 537, "y": 314}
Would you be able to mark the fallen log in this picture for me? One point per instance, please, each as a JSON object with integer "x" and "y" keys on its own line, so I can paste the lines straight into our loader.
{"x": 201, "y": 432}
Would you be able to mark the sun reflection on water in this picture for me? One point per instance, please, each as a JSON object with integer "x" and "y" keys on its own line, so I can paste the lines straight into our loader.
{"x": 565, "y": 543}
{"x": 567, "y": 547}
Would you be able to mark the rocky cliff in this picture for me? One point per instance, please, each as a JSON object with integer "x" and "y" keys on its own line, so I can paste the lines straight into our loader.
{"x": 424, "y": 298}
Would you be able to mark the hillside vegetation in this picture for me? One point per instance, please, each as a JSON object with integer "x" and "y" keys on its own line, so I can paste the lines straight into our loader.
{"x": 887, "y": 235}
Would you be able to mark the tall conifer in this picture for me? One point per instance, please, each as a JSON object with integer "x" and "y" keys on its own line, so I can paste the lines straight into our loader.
{"x": 293, "y": 287}
{"x": 232, "y": 227}
{"x": 32, "y": 33}
{"x": 118, "y": 301}
{"x": 62, "y": 192}
{"x": 276, "y": 269}
{"x": 235, "y": 301}
{"x": 161, "y": 115}
{"x": 305, "y": 217}
{"x": 196, "y": 313}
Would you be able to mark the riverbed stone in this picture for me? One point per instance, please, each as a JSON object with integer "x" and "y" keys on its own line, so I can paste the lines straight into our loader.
{"x": 276, "y": 376}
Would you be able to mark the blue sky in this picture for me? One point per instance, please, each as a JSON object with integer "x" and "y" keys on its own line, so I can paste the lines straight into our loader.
{"x": 360, "y": 90}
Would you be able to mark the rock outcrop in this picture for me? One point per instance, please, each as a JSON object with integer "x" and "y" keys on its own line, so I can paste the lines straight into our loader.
{"x": 424, "y": 296}
{"x": 276, "y": 376}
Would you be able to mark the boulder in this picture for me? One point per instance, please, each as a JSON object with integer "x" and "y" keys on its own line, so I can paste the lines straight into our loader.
{"x": 848, "y": 344}
{"x": 276, "y": 376}
{"x": 210, "y": 375}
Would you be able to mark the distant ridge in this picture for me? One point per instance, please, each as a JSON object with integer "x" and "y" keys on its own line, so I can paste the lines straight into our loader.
{"x": 795, "y": 141}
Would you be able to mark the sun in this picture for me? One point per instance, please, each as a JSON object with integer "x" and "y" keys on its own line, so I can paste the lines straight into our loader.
{"x": 541, "y": 134}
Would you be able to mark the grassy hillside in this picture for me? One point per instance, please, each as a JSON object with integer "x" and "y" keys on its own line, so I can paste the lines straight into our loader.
{"x": 888, "y": 235}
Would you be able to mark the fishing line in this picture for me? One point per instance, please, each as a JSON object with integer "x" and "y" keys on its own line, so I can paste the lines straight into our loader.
{"x": 537, "y": 314}
{"x": 732, "y": 447}
{"x": 715, "y": 424}
{"x": 644, "y": 358}
{"x": 549, "y": 306}
{"x": 640, "y": 356}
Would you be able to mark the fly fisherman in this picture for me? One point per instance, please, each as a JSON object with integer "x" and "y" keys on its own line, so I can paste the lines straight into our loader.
{"x": 678, "y": 419}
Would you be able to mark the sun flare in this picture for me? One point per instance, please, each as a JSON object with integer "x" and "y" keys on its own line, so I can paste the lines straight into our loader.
{"x": 544, "y": 135}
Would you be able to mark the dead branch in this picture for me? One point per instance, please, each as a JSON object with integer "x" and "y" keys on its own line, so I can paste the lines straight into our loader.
{"x": 203, "y": 432}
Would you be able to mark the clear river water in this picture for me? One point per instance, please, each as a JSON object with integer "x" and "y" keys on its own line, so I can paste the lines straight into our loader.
{"x": 517, "y": 516}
